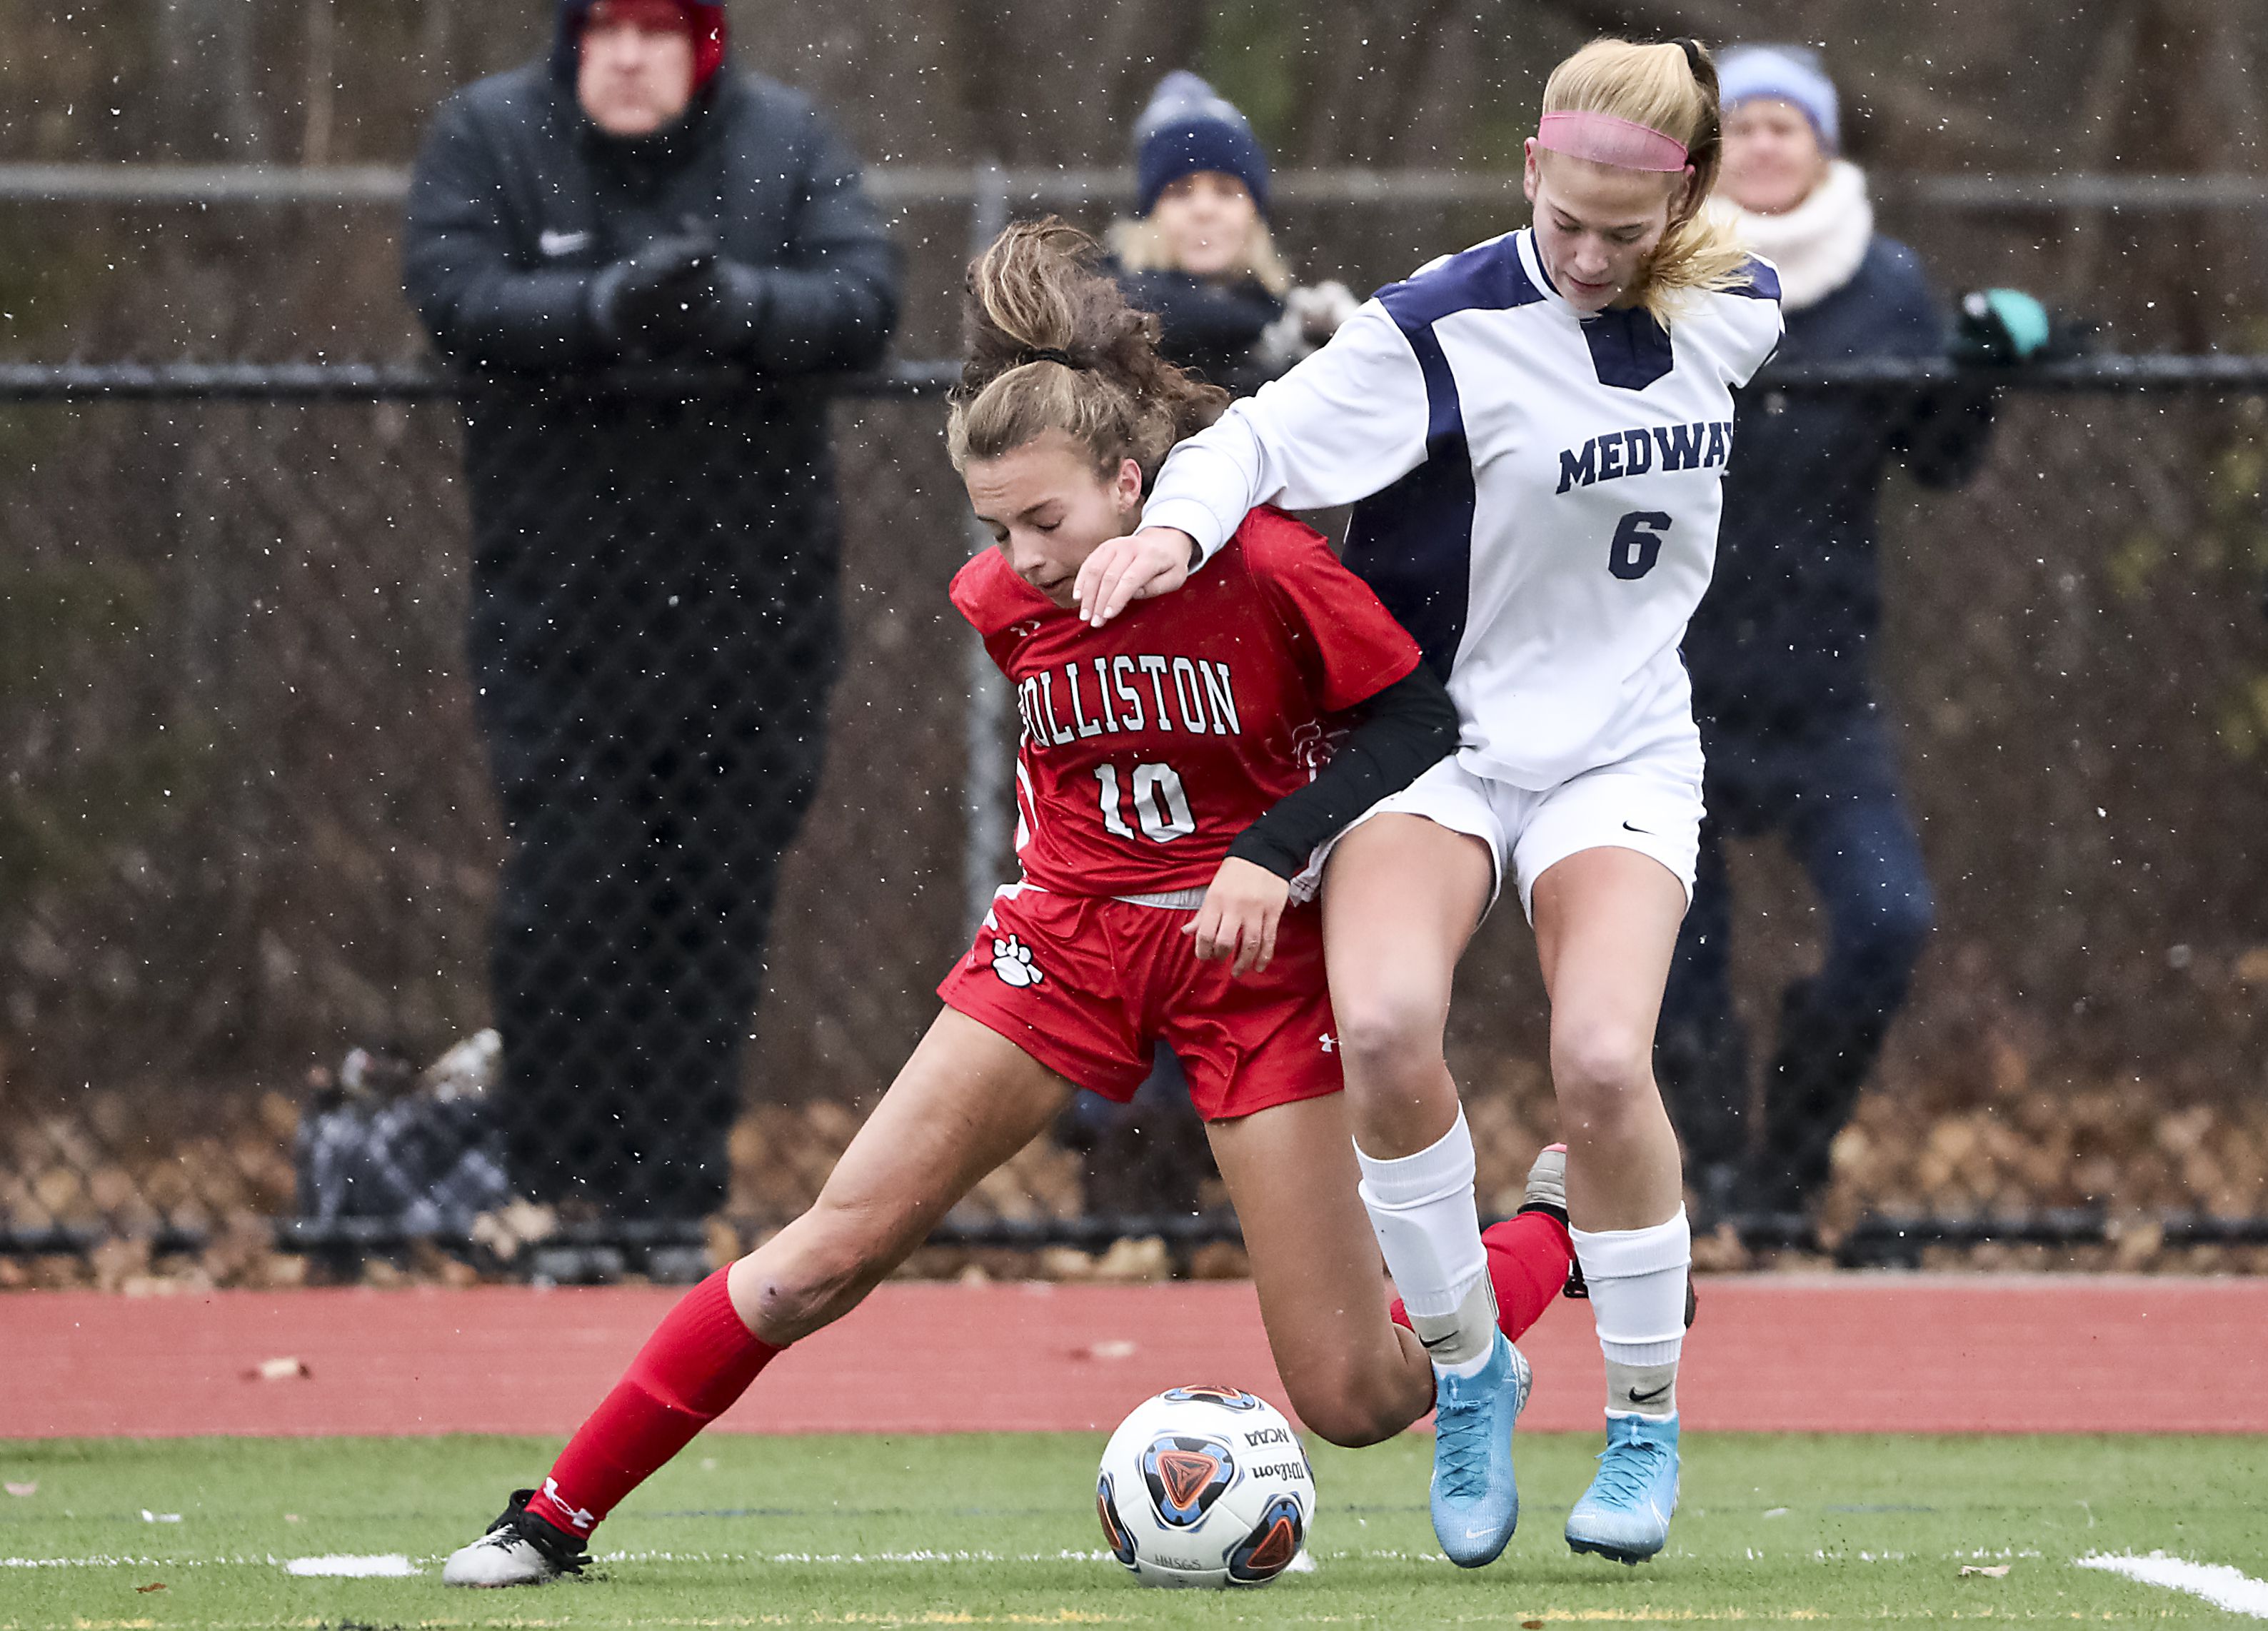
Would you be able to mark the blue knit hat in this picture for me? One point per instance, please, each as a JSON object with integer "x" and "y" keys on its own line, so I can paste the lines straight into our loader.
{"x": 1788, "y": 73}
{"x": 1188, "y": 126}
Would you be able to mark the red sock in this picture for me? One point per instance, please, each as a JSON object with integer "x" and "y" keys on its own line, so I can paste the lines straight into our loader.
{"x": 1527, "y": 1259}
{"x": 698, "y": 1361}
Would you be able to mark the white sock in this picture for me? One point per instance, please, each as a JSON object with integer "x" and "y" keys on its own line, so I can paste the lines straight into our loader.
{"x": 1429, "y": 1227}
{"x": 1637, "y": 1281}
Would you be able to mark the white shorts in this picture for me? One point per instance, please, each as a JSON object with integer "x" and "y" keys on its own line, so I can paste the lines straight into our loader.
{"x": 1650, "y": 802}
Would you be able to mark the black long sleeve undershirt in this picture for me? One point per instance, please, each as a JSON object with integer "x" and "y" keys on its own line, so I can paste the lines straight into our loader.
{"x": 1398, "y": 734}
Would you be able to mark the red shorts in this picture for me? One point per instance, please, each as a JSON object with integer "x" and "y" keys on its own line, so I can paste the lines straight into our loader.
{"x": 1087, "y": 985}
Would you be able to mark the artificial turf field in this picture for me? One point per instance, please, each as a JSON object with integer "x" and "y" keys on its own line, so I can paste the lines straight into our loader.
{"x": 996, "y": 1529}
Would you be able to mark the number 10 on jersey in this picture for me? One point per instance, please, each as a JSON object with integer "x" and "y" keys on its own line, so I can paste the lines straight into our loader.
{"x": 1161, "y": 804}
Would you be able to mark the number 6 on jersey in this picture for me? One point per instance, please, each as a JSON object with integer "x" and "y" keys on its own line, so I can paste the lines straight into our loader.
{"x": 1159, "y": 804}
{"x": 1638, "y": 544}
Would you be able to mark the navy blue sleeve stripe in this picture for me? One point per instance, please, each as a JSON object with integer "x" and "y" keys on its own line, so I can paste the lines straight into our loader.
{"x": 1413, "y": 543}
{"x": 1487, "y": 277}
{"x": 1758, "y": 282}
{"x": 1445, "y": 411}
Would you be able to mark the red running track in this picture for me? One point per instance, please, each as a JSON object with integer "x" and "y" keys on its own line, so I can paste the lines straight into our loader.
{"x": 1857, "y": 1353}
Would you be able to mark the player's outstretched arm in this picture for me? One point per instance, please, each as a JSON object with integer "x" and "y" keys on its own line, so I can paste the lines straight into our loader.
{"x": 1347, "y": 421}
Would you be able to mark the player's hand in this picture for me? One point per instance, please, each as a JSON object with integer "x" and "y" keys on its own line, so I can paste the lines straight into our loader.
{"x": 1240, "y": 914}
{"x": 1154, "y": 561}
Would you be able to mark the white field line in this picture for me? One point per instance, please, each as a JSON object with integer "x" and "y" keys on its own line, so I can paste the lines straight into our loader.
{"x": 396, "y": 1564}
{"x": 106, "y": 1560}
{"x": 1303, "y": 1564}
{"x": 2218, "y": 1583}
{"x": 345, "y": 1566}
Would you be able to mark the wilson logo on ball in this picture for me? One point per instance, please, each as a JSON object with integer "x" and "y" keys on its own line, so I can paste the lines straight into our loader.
{"x": 1226, "y": 1397}
{"x": 1186, "y": 1476}
{"x": 1267, "y": 1550}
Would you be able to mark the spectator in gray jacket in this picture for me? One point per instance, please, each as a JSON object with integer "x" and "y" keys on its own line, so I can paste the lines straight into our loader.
{"x": 654, "y": 629}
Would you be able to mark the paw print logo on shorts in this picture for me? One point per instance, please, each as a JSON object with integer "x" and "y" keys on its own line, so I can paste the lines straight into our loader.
{"x": 1011, "y": 960}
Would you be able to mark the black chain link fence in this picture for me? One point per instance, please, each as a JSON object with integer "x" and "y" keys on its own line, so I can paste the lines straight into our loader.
{"x": 251, "y": 845}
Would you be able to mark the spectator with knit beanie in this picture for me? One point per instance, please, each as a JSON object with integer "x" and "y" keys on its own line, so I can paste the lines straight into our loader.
{"x": 1198, "y": 255}
{"x": 1198, "y": 252}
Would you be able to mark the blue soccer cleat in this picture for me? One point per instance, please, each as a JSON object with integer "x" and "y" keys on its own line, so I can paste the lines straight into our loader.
{"x": 1475, "y": 1502}
{"x": 1624, "y": 1514}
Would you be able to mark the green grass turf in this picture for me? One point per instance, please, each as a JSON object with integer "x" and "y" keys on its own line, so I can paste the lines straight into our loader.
{"x": 748, "y": 1532}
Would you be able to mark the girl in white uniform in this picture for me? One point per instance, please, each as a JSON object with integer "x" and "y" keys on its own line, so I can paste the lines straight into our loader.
{"x": 1533, "y": 432}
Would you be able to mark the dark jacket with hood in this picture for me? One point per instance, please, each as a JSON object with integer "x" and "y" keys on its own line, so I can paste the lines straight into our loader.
{"x": 691, "y": 535}
{"x": 1778, "y": 648}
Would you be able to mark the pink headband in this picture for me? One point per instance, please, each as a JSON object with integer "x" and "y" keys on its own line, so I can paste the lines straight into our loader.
{"x": 1605, "y": 139}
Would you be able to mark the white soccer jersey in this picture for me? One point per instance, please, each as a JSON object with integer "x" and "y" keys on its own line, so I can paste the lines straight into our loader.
{"x": 1538, "y": 491}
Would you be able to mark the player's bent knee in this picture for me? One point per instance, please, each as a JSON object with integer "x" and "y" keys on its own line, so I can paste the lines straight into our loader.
{"x": 1601, "y": 1075}
{"x": 817, "y": 1270}
{"x": 1349, "y": 1409}
{"x": 1386, "y": 1035}
{"x": 796, "y": 1298}
{"x": 1347, "y": 1424}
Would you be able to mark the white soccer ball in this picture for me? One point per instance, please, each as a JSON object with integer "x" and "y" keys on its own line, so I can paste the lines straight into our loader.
{"x": 1205, "y": 1486}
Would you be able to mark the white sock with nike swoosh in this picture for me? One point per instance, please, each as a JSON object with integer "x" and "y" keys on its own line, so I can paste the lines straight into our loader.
{"x": 1429, "y": 1230}
{"x": 1637, "y": 1280}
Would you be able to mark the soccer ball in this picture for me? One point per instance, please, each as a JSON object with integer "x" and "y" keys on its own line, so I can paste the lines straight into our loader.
{"x": 1205, "y": 1486}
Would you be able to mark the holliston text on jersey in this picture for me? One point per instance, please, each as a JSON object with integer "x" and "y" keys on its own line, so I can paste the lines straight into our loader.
{"x": 1123, "y": 693}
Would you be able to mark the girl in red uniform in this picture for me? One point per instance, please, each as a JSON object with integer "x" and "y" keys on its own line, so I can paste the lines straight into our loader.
{"x": 1177, "y": 771}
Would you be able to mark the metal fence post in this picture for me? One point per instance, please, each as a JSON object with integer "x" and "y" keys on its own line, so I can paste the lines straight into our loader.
{"x": 985, "y": 788}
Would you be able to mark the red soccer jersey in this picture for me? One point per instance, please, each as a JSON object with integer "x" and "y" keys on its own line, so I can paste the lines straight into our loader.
{"x": 1148, "y": 744}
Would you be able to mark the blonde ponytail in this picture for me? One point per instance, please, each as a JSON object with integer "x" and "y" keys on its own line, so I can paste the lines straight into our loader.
{"x": 1671, "y": 88}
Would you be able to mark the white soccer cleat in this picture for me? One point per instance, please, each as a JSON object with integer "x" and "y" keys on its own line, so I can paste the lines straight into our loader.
{"x": 499, "y": 1558}
{"x": 519, "y": 1549}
